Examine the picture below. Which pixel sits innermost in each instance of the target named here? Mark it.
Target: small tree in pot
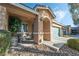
(14, 26)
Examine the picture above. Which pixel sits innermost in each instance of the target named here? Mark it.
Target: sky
(60, 10)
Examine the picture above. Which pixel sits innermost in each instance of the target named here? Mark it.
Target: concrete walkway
(56, 44)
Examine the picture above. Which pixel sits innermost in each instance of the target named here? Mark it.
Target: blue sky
(61, 11)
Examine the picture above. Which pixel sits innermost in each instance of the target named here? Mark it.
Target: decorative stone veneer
(3, 18)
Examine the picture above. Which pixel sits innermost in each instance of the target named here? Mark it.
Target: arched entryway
(46, 29)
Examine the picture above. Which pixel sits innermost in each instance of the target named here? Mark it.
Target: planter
(14, 39)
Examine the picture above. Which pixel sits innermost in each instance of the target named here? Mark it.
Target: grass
(73, 43)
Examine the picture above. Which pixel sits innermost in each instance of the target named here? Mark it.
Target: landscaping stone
(43, 50)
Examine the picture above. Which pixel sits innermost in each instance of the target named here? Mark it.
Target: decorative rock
(43, 50)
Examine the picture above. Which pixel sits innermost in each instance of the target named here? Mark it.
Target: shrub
(73, 43)
(5, 37)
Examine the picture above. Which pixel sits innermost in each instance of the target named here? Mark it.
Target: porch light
(41, 19)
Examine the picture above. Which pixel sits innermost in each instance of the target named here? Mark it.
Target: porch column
(3, 18)
(38, 30)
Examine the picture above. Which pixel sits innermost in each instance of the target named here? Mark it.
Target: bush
(5, 37)
(73, 43)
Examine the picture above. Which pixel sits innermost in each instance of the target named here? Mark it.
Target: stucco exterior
(39, 23)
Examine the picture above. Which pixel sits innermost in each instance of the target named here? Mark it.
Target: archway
(46, 29)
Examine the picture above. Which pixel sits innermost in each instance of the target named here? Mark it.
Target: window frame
(22, 27)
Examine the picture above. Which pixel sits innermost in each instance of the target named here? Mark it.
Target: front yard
(43, 50)
(38, 50)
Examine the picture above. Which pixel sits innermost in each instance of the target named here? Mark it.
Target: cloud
(60, 14)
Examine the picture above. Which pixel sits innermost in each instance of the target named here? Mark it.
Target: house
(67, 30)
(39, 22)
(74, 30)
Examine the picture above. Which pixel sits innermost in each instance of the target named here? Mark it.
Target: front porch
(29, 21)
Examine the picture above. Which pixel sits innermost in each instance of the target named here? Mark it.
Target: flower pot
(14, 39)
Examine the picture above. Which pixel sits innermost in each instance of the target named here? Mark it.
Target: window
(24, 27)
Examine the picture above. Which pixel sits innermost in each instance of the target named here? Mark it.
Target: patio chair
(24, 36)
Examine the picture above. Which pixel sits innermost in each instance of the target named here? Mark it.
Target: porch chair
(24, 36)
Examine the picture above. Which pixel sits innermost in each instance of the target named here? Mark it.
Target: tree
(74, 9)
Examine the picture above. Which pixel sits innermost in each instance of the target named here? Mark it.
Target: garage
(55, 33)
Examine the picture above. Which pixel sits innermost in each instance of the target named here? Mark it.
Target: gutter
(58, 23)
(25, 8)
(51, 12)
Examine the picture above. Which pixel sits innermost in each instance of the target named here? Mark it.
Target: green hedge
(5, 41)
(73, 43)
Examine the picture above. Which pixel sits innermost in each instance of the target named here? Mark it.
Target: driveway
(56, 43)
(75, 36)
(61, 40)
(64, 39)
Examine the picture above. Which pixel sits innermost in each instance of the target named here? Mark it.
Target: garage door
(55, 33)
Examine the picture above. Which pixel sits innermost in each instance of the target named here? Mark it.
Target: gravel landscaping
(43, 50)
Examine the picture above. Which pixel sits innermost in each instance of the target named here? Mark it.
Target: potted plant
(14, 26)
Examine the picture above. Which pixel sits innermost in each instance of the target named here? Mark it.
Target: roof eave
(47, 9)
(25, 8)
